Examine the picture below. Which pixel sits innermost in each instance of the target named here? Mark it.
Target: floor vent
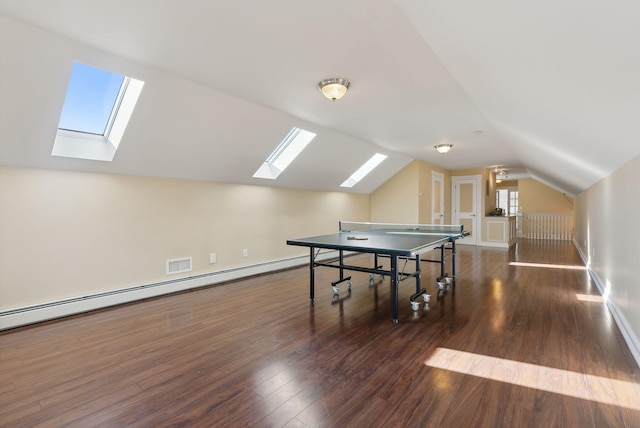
(178, 265)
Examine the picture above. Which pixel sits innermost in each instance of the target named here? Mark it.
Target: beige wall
(606, 231)
(425, 192)
(396, 201)
(67, 234)
(488, 190)
(536, 197)
(406, 197)
(506, 183)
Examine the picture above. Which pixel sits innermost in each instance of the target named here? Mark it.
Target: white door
(437, 198)
(466, 205)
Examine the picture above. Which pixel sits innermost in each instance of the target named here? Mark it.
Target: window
(91, 96)
(502, 198)
(288, 149)
(95, 114)
(507, 199)
(365, 169)
(513, 202)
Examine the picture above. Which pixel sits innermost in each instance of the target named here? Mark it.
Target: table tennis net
(427, 229)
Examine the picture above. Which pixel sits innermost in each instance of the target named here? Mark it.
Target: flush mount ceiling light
(443, 148)
(334, 88)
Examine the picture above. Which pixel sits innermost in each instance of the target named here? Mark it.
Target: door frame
(437, 176)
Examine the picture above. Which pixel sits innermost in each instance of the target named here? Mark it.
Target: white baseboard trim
(494, 244)
(627, 332)
(46, 311)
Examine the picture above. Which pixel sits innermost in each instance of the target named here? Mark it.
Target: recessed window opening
(288, 149)
(95, 114)
(365, 169)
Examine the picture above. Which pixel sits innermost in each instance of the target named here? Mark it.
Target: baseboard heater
(46, 311)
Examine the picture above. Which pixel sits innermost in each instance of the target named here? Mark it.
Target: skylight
(288, 149)
(95, 114)
(91, 96)
(365, 169)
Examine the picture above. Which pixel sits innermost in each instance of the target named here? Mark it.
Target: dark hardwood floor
(511, 346)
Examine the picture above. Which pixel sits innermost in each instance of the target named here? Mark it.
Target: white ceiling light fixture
(334, 88)
(364, 170)
(294, 143)
(443, 148)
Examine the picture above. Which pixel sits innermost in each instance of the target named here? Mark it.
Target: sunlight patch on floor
(590, 298)
(573, 384)
(547, 265)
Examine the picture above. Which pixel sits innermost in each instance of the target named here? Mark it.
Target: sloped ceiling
(545, 89)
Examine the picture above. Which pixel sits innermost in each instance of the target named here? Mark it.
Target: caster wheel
(426, 298)
(415, 306)
(336, 290)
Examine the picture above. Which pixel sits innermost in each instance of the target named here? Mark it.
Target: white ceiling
(548, 89)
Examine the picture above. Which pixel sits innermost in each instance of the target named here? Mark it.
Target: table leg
(394, 288)
(418, 274)
(312, 262)
(453, 258)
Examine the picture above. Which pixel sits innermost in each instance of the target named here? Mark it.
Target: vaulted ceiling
(546, 89)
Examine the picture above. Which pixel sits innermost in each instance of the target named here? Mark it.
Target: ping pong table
(392, 241)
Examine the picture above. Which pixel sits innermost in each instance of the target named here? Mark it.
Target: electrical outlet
(213, 258)
(245, 253)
